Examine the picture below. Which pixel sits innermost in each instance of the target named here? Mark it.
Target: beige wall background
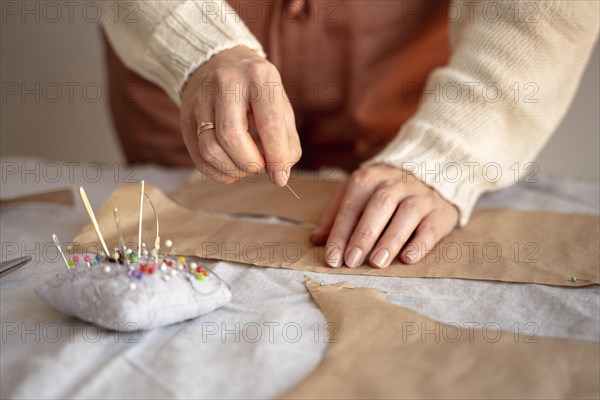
(55, 65)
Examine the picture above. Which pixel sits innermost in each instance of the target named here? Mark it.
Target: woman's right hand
(255, 130)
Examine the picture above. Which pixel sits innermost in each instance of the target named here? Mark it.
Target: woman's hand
(255, 130)
(380, 212)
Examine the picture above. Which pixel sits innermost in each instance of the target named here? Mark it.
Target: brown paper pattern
(380, 351)
(61, 197)
(258, 196)
(497, 245)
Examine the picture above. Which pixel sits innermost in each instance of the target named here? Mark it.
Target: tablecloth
(269, 337)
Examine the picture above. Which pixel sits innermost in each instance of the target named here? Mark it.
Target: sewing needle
(292, 190)
(139, 252)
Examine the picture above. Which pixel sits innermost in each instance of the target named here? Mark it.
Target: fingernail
(280, 178)
(410, 256)
(380, 258)
(333, 256)
(354, 257)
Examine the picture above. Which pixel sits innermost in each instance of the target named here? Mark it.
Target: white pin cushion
(121, 297)
(133, 289)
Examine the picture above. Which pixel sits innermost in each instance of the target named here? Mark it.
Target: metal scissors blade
(9, 266)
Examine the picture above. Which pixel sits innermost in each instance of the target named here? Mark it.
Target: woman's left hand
(379, 212)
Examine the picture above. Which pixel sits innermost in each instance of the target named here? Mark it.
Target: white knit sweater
(484, 116)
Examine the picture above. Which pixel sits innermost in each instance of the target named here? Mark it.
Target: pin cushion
(135, 296)
(132, 288)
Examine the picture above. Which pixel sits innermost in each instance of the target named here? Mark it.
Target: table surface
(268, 338)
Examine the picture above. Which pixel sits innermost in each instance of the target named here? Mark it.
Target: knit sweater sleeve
(166, 41)
(514, 70)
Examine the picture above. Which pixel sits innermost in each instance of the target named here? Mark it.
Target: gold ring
(205, 126)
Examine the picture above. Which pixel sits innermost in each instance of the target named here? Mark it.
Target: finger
(431, 230)
(407, 217)
(295, 148)
(254, 135)
(351, 207)
(270, 123)
(223, 169)
(189, 127)
(232, 133)
(319, 235)
(380, 208)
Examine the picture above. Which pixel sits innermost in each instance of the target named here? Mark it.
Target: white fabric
(107, 300)
(219, 355)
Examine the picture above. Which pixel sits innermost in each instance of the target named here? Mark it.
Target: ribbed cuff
(190, 36)
(438, 162)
